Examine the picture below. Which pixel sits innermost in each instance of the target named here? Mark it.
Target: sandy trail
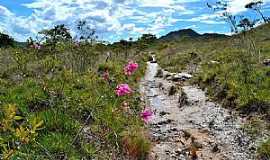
(196, 129)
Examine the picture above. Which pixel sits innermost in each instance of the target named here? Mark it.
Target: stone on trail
(214, 62)
(181, 77)
(266, 62)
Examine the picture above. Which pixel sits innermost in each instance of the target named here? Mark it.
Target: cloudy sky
(116, 19)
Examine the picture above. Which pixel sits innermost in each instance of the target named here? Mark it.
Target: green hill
(189, 34)
(235, 61)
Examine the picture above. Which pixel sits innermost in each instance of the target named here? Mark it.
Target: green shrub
(264, 150)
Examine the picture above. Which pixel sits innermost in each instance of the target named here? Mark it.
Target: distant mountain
(179, 34)
(214, 35)
(20, 44)
(189, 33)
(8, 41)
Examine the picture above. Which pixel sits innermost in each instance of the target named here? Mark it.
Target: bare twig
(85, 123)
(80, 131)
(46, 151)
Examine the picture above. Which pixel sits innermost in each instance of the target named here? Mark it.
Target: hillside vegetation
(61, 103)
(233, 69)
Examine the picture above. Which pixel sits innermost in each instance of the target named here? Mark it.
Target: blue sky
(117, 19)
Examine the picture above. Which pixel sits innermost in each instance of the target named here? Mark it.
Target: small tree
(222, 6)
(246, 24)
(246, 43)
(256, 6)
(85, 50)
(6, 40)
(30, 41)
(57, 34)
(124, 44)
(146, 40)
(86, 33)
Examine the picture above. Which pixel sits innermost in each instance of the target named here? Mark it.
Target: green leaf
(17, 118)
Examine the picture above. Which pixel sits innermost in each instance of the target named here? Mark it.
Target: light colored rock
(167, 74)
(181, 77)
(215, 62)
(266, 62)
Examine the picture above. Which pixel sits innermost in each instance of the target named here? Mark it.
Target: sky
(117, 19)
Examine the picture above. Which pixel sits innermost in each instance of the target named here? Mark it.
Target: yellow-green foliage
(13, 132)
(264, 150)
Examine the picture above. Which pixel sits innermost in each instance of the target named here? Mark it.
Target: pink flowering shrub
(77, 44)
(36, 46)
(106, 75)
(122, 90)
(146, 115)
(130, 68)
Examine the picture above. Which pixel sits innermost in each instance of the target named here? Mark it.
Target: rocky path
(186, 125)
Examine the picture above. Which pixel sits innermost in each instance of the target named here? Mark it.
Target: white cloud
(191, 26)
(205, 18)
(113, 17)
(105, 16)
(156, 3)
(238, 6)
(129, 27)
(211, 31)
(4, 11)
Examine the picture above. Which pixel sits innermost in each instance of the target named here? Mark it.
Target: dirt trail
(197, 129)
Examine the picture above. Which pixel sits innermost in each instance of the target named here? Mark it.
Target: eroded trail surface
(186, 125)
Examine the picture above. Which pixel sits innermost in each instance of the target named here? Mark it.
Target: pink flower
(130, 68)
(36, 46)
(106, 75)
(146, 115)
(77, 44)
(122, 90)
